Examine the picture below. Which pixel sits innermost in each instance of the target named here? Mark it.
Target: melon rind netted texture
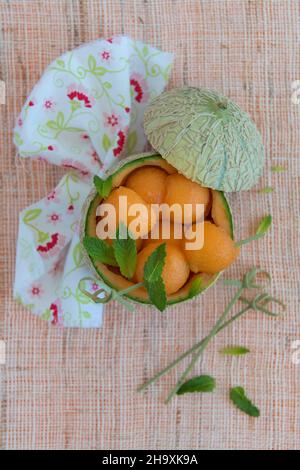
(206, 137)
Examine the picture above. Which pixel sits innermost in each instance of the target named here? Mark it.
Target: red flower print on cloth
(106, 56)
(52, 197)
(54, 218)
(139, 88)
(120, 144)
(35, 290)
(79, 96)
(31, 103)
(84, 136)
(49, 104)
(112, 120)
(52, 247)
(70, 209)
(56, 311)
(74, 165)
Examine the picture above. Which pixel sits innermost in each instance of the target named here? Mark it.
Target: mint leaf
(125, 251)
(260, 232)
(99, 250)
(153, 277)
(266, 190)
(157, 294)
(77, 255)
(31, 214)
(155, 263)
(131, 141)
(106, 142)
(264, 225)
(234, 350)
(242, 402)
(278, 169)
(196, 287)
(92, 62)
(103, 186)
(202, 383)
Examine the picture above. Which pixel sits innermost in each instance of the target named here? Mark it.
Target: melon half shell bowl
(208, 139)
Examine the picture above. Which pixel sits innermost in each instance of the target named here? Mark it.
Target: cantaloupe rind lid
(206, 137)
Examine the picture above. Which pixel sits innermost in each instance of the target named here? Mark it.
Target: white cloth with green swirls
(84, 114)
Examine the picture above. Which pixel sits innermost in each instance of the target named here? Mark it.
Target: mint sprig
(99, 250)
(202, 383)
(260, 231)
(125, 252)
(234, 350)
(103, 187)
(242, 402)
(258, 303)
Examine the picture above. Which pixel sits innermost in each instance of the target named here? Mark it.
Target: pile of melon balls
(152, 185)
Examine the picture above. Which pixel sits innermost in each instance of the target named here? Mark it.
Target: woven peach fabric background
(75, 389)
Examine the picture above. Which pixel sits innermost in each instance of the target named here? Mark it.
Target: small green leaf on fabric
(125, 251)
(242, 402)
(92, 62)
(52, 125)
(77, 255)
(31, 215)
(260, 232)
(196, 287)
(99, 250)
(73, 129)
(202, 383)
(60, 63)
(106, 142)
(278, 169)
(267, 190)
(264, 225)
(81, 297)
(234, 350)
(131, 141)
(18, 139)
(99, 71)
(86, 314)
(103, 186)
(60, 119)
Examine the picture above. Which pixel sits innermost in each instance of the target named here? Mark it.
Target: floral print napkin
(84, 114)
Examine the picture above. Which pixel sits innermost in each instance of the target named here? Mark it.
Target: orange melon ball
(149, 182)
(217, 253)
(163, 229)
(139, 223)
(175, 271)
(180, 190)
